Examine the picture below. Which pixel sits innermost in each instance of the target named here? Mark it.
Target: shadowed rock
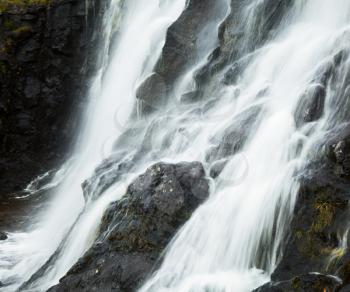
(47, 55)
(237, 39)
(152, 92)
(311, 105)
(136, 229)
(180, 51)
(3, 235)
(321, 217)
(304, 283)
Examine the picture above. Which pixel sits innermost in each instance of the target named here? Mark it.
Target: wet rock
(232, 74)
(3, 236)
(110, 170)
(192, 96)
(231, 139)
(311, 105)
(181, 49)
(344, 268)
(236, 40)
(345, 289)
(339, 152)
(136, 229)
(152, 93)
(217, 167)
(304, 283)
(320, 218)
(47, 55)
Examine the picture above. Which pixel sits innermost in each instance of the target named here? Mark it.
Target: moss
(2, 67)
(324, 218)
(338, 253)
(9, 42)
(22, 30)
(8, 24)
(311, 239)
(308, 246)
(6, 4)
(296, 285)
(299, 234)
(308, 239)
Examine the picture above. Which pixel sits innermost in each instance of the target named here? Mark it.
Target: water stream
(234, 241)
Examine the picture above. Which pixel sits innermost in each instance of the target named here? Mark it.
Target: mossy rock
(8, 4)
(310, 282)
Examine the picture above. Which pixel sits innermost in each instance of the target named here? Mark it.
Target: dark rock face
(152, 92)
(304, 283)
(109, 171)
(320, 221)
(192, 96)
(46, 60)
(137, 228)
(310, 107)
(181, 48)
(3, 236)
(235, 40)
(231, 140)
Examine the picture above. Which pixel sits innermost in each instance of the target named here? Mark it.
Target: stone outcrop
(136, 229)
(180, 51)
(236, 39)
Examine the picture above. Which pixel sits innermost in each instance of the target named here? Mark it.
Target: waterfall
(64, 231)
(234, 241)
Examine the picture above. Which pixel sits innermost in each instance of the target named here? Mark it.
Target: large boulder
(136, 229)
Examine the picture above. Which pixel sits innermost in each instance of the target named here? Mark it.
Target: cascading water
(241, 227)
(68, 227)
(234, 241)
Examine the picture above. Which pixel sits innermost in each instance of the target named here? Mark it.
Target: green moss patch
(7, 4)
(325, 214)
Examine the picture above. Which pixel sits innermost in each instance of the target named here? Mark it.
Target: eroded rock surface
(47, 54)
(304, 283)
(136, 229)
(319, 230)
(181, 50)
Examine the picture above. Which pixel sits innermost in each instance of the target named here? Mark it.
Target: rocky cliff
(47, 55)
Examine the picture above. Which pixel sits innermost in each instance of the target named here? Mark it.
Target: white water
(233, 241)
(232, 235)
(143, 34)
